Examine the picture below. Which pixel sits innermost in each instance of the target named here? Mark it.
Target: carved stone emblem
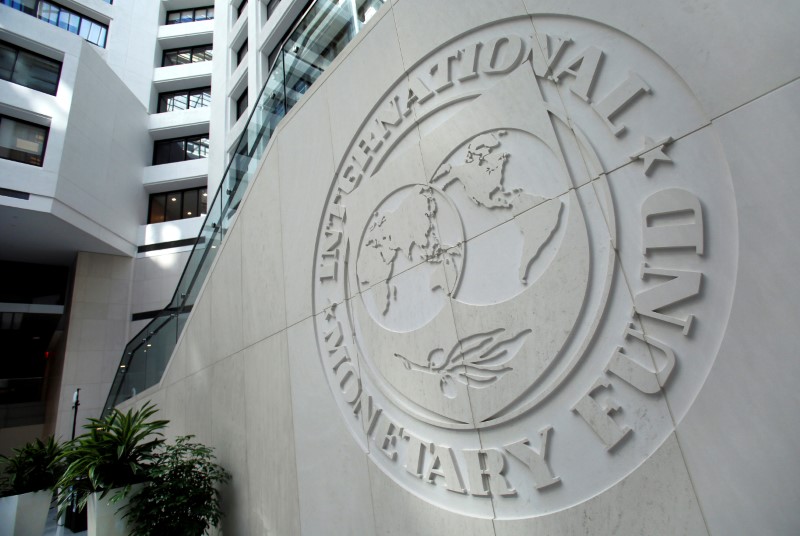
(518, 302)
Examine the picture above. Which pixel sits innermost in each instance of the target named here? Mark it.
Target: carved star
(330, 310)
(651, 153)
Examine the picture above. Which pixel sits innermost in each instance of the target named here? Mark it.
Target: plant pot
(26, 514)
(105, 518)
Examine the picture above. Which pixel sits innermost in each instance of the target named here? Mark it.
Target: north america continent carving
(516, 301)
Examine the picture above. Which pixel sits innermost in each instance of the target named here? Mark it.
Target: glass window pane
(196, 99)
(167, 151)
(101, 40)
(173, 17)
(169, 102)
(202, 97)
(190, 204)
(170, 58)
(241, 53)
(196, 148)
(7, 57)
(22, 142)
(157, 208)
(37, 72)
(48, 13)
(203, 201)
(26, 6)
(204, 54)
(187, 16)
(184, 56)
(241, 104)
(173, 211)
(163, 103)
(69, 21)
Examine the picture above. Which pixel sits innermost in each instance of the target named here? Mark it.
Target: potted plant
(26, 484)
(113, 455)
(181, 497)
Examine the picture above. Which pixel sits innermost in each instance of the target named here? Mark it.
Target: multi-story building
(107, 164)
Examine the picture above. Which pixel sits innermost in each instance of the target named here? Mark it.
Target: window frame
(192, 51)
(185, 140)
(57, 21)
(241, 52)
(181, 211)
(17, 50)
(194, 11)
(242, 98)
(188, 93)
(44, 142)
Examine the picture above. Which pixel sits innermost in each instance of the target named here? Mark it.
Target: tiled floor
(53, 529)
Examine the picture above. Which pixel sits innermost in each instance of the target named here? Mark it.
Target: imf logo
(512, 268)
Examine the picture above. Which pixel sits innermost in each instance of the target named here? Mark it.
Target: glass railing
(319, 35)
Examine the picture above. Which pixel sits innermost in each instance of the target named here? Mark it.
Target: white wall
(712, 448)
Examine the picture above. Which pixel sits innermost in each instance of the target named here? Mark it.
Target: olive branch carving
(476, 361)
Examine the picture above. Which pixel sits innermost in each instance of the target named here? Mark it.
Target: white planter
(24, 515)
(104, 518)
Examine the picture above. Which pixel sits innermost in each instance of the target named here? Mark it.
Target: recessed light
(205, 194)
(188, 213)
(174, 199)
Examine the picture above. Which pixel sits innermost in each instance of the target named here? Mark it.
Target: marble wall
(510, 268)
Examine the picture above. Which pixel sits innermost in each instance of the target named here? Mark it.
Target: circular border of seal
(568, 460)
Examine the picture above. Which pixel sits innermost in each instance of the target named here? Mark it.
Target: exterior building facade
(501, 269)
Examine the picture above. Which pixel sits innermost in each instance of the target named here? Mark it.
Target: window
(26, 6)
(190, 15)
(180, 149)
(184, 100)
(177, 205)
(54, 14)
(241, 53)
(241, 9)
(181, 56)
(22, 141)
(241, 104)
(29, 69)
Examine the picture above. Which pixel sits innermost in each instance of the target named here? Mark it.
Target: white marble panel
(305, 160)
(703, 42)
(175, 402)
(198, 333)
(272, 480)
(399, 512)
(198, 405)
(228, 432)
(263, 303)
(660, 105)
(423, 26)
(332, 470)
(657, 498)
(226, 297)
(176, 368)
(351, 103)
(741, 436)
